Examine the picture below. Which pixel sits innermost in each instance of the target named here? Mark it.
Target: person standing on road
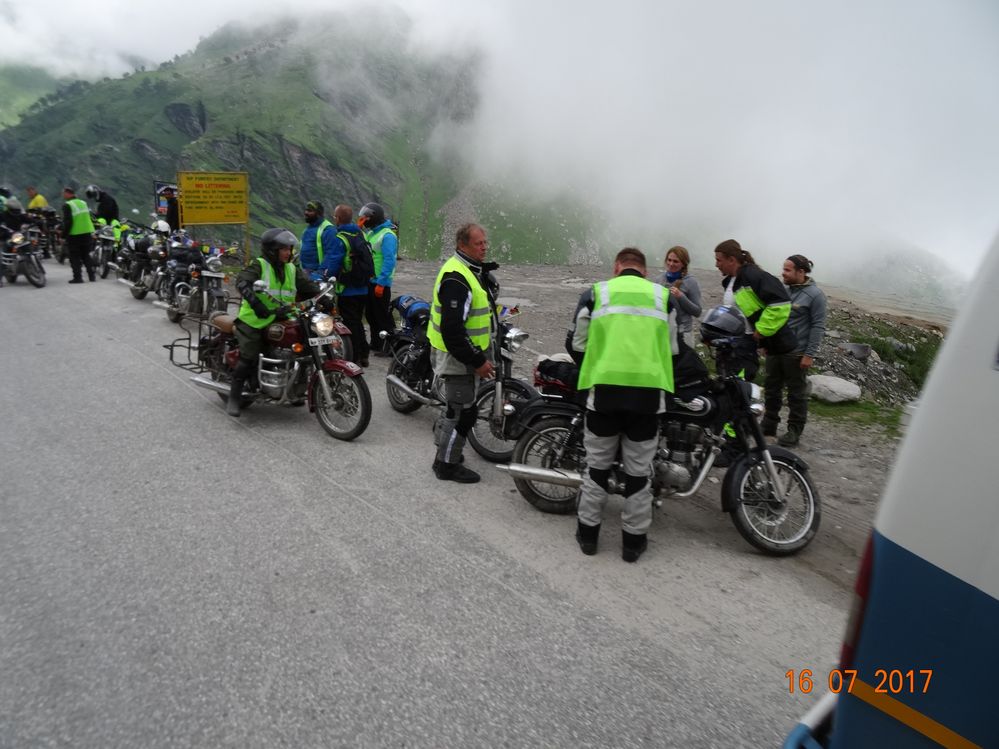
(318, 240)
(285, 283)
(808, 323)
(78, 229)
(107, 206)
(352, 292)
(379, 231)
(172, 216)
(684, 290)
(620, 337)
(36, 201)
(462, 323)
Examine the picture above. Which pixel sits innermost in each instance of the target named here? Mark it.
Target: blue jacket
(389, 250)
(309, 256)
(334, 259)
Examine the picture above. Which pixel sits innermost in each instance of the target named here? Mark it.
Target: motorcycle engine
(275, 369)
(679, 457)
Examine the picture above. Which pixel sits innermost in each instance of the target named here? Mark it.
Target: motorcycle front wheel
(774, 525)
(480, 436)
(104, 267)
(550, 443)
(349, 413)
(397, 398)
(34, 272)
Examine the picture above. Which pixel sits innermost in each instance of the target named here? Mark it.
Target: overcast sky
(829, 128)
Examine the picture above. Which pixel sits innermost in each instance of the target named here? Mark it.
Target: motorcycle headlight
(514, 339)
(214, 264)
(322, 324)
(17, 238)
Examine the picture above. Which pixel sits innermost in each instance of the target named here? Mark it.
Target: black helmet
(5, 192)
(274, 239)
(93, 191)
(722, 322)
(371, 215)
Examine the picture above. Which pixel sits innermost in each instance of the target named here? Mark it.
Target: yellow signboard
(214, 198)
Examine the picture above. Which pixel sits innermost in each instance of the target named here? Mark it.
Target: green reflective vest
(284, 292)
(479, 318)
(319, 241)
(81, 221)
(375, 240)
(628, 339)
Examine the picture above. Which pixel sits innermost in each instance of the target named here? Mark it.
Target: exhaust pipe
(128, 283)
(210, 384)
(396, 382)
(548, 475)
(161, 304)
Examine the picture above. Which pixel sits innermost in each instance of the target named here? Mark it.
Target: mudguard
(539, 408)
(343, 366)
(340, 329)
(727, 488)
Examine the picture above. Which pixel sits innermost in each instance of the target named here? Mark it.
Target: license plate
(212, 274)
(321, 341)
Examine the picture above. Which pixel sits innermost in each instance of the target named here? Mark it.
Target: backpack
(358, 265)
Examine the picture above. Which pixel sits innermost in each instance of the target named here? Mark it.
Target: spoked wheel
(349, 413)
(397, 398)
(480, 437)
(551, 443)
(779, 526)
(34, 272)
(103, 267)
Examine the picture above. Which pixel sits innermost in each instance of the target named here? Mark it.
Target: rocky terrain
(849, 452)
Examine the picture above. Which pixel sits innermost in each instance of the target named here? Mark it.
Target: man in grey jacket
(808, 323)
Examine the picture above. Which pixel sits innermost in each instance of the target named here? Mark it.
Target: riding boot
(633, 545)
(586, 537)
(232, 406)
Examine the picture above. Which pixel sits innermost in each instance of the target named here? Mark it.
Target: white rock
(833, 389)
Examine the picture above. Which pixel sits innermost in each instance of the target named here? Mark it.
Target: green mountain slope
(325, 110)
(20, 88)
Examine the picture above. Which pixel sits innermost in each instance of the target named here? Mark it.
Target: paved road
(170, 576)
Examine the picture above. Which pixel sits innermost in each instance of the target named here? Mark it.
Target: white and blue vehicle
(920, 659)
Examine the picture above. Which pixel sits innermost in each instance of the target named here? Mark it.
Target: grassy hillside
(317, 111)
(20, 87)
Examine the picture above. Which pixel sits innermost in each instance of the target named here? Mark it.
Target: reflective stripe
(640, 311)
(472, 332)
(472, 311)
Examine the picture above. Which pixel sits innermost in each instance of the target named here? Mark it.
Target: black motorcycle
(202, 294)
(766, 490)
(410, 382)
(104, 250)
(19, 255)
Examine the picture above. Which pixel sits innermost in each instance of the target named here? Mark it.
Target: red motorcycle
(304, 363)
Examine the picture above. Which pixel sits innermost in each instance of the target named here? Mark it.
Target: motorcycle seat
(223, 322)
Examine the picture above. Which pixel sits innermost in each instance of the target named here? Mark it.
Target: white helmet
(161, 227)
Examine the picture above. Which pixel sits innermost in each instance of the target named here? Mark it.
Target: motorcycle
(20, 255)
(172, 282)
(303, 364)
(202, 294)
(44, 230)
(766, 491)
(144, 266)
(410, 382)
(105, 249)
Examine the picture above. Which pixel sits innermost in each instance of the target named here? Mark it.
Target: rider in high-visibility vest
(285, 283)
(381, 235)
(352, 297)
(620, 336)
(317, 241)
(78, 229)
(462, 320)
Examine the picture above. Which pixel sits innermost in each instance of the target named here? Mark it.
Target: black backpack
(358, 266)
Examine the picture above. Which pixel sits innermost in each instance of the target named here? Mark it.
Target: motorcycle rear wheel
(538, 447)
(774, 527)
(480, 436)
(34, 272)
(349, 414)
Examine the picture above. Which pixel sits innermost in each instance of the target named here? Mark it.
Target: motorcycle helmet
(5, 192)
(274, 239)
(93, 191)
(722, 322)
(370, 216)
(161, 227)
(14, 205)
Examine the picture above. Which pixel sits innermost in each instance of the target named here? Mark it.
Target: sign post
(215, 198)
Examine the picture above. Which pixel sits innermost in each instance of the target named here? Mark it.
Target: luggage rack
(183, 350)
